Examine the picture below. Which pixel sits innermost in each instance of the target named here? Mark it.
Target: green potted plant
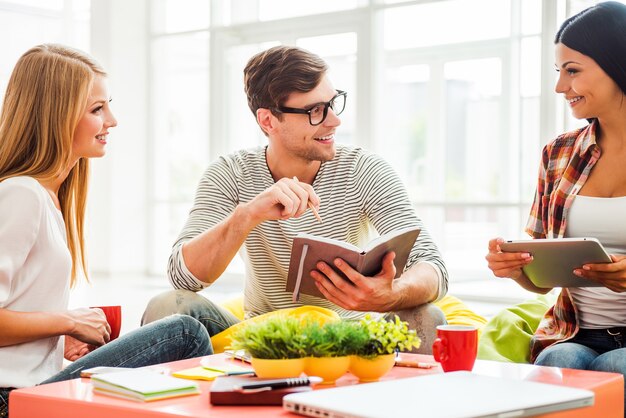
(376, 356)
(329, 347)
(277, 346)
(284, 346)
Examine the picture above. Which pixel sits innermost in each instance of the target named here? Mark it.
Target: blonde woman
(55, 117)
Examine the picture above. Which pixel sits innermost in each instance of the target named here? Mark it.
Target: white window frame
(365, 22)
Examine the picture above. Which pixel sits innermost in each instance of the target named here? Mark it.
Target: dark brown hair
(600, 33)
(272, 75)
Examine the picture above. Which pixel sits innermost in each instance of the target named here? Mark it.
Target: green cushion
(506, 337)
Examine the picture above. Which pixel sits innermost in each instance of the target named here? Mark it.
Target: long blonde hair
(45, 99)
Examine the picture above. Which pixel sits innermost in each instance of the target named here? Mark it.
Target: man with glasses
(256, 201)
(318, 112)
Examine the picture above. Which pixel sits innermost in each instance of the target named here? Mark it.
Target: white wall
(116, 224)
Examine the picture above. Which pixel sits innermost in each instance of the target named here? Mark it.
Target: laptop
(450, 395)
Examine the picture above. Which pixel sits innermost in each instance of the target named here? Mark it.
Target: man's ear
(265, 119)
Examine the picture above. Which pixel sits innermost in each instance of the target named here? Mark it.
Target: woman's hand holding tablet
(554, 261)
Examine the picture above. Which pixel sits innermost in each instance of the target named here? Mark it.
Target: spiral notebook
(449, 395)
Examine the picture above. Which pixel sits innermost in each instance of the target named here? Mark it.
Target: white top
(599, 307)
(360, 194)
(35, 267)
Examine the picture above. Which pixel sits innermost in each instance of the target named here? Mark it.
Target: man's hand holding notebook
(307, 250)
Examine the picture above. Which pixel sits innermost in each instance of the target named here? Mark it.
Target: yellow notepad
(211, 372)
(198, 373)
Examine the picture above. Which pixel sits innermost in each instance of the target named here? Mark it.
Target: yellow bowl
(328, 368)
(271, 368)
(370, 370)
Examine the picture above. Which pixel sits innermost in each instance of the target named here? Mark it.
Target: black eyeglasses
(318, 112)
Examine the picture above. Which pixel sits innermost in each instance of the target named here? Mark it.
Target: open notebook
(450, 395)
(308, 250)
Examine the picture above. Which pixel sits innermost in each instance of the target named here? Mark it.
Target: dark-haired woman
(582, 192)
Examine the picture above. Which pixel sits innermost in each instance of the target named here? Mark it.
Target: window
(26, 23)
(460, 107)
(450, 104)
(180, 131)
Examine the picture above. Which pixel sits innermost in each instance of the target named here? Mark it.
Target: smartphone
(103, 369)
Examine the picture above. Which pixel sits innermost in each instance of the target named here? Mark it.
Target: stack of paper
(142, 385)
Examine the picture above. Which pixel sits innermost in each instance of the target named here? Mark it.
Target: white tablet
(554, 260)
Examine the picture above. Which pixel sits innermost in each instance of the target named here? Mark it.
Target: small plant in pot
(329, 347)
(375, 357)
(277, 346)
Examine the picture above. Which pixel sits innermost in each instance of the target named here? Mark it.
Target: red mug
(455, 347)
(114, 318)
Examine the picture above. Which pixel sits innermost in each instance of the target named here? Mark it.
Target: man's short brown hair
(272, 75)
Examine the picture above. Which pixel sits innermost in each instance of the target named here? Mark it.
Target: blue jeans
(424, 318)
(176, 337)
(215, 318)
(590, 349)
(4, 402)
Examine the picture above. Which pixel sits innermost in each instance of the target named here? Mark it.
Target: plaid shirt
(566, 164)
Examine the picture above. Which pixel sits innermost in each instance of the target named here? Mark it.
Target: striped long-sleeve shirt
(360, 195)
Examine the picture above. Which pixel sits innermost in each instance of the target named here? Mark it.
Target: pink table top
(76, 397)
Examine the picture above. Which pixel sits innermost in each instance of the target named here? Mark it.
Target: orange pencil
(310, 205)
(317, 215)
(416, 364)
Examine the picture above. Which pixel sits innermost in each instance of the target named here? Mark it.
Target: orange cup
(455, 347)
(114, 318)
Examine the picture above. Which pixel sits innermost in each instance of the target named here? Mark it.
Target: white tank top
(598, 217)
